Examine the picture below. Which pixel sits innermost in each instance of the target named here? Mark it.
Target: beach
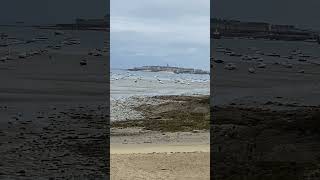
(53, 110)
(265, 120)
(161, 166)
(160, 126)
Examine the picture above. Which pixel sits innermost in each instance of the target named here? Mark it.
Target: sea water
(126, 83)
(251, 46)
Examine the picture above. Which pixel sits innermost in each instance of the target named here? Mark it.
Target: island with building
(176, 70)
(222, 28)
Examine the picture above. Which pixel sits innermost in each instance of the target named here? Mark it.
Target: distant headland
(82, 24)
(176, 70)
(223, 28)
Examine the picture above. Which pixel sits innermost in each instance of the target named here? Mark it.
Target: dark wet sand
(265, 125)
(53, 117)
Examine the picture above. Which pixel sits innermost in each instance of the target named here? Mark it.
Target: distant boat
(58, 33)
(22, 55)
(230, 66)
(3, 44)
(56, 47)
(30, 41)
(216, 34)
(83, 62)
(217, 60)
(40, 38)
(3, 35)
(311, 40)
(247, 58)
(251, 70)
(302, 60)
(273, 55)
(3, 58)
(261, 65)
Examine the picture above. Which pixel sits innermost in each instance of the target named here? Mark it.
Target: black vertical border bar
(108, 94)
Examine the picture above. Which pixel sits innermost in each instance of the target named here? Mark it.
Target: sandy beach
(160, 137)
(155, 155)
(160, 166)
(53, 114)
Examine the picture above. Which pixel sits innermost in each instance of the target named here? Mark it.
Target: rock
(196, 131)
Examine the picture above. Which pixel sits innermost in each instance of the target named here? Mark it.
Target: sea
(89, 39)
(148, 83)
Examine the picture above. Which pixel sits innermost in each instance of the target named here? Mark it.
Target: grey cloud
(51, 11)
(295, 12)
(160, 32)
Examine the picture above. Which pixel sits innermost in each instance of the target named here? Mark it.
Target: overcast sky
(50, 11)
(296, 12)
(160, 32)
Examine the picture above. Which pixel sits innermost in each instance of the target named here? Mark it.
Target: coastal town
(260, 30)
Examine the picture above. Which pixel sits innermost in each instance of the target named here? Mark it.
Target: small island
(176, 70)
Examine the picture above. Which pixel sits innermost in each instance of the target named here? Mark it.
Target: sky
(160, 32)
(303, 14)
(51, 11)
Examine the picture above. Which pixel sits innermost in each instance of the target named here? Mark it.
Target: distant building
(237, 26)
(176, 70)
(93, 22)
(233, 28)
(281, 28)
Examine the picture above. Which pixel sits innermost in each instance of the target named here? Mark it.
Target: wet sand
(53, 116)
(265, 122)
(273, 81)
